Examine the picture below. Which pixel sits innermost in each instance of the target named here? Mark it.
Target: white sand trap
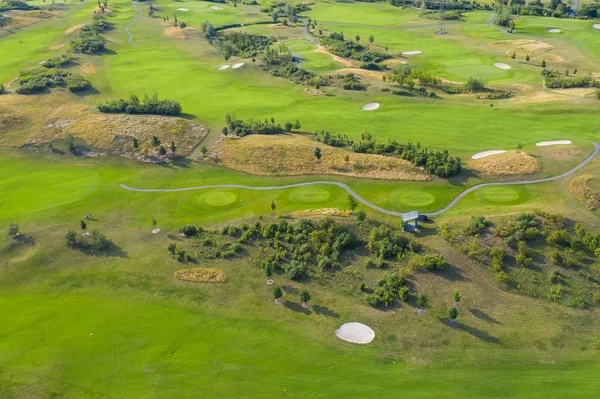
(222, 67)
(596, 26)
(216, 8)
(555, 142)
(238, 65)
(484, 154)
(502, 65)
(370, 106)
(182, 9)
(354, 332)
(155, 231)
(413, 52)
(269, 282)
(554, 30)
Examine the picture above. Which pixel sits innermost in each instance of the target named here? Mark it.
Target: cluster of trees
(350, 81)
(5, 20)
(7, 5)
(245, 45)
(390, 288)
(90, 38)
(2, 89)
(336, 44)
(284, 65)
(61, 61)
(38, 79)
(95, 240)
(148, 105)
(386, 243)
(554, 80)
(241, 128)
(431, 262)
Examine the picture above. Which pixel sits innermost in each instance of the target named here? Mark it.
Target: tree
(513, 55)
(352, 203)
(277, 292)
(527, 58)
(275, 15)
(519, 146)
(253, 60)
(154, 222)
(175, 17)
(154, 141)
(173, 147)
(182, 25)
(136, 144)
(511, 25)
(83, 225)
(304, 296)
(288, 127)
(162, 150)
(575, 71)
(346, 156)
(361, 216)
(422, 301)
(71, 238)
(317, 153)
(357, 38)
(543, 63)
(273, 206)
(371, 39)
(456, 296)
(71, 144)
(297, 125)
(268, 270)
(452, 314)
(567, 72)
(13, 230)
(204, 150)
(172, 247)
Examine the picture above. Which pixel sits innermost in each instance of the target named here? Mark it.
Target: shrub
(149, 105)
(555, 277)
(429, 262)
(98, 241)
(189, 230)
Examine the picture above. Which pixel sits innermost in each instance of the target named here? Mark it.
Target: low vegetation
(148, 105)
(38, 79)
(555, 80)
(201, 275)
(90, 38)
(580, 188)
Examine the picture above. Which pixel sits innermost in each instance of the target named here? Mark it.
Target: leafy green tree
(99, 241)
(162, 150)
(268, 269)
(453, 313)
(456, 296)
(352, 203)
(277, 292)
(71, 238)
(154, 222)
(273, 206)
(275, 15)
(204, 150)
(154, 141)
(71, 144)
(422, 301)
(543, 63)
(371, 39)
(136, 144)
(288, 127)
(172, 247)
(361, 216)
(83, 225)
(173, 147)
(346, 158)
(513, 55)
(13, 230)
(357, 38)
(304, 295)
(527, 58)
(297, 125)
(317, 153)
(519, 146)
(182, 25)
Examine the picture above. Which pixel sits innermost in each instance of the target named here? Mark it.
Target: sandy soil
(175, 33)
(413, 52)
(216, 8)
(182, 9)
(596, 26)
(554, 30)
(555, 142)
(484, 154)
(155, 231)
(73, 29)
(343, 61)
(237, 65)
(356, 333)
(502, 65)
(370, 106)
(373, 75)
(222, 67)
(57, 46)
(89, 69)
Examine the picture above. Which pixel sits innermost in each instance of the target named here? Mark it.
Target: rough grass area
(293, 155)
(39, 120)
(505, 164)
(580, 189)
(201, 275)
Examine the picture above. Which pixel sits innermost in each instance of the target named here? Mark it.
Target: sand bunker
(356, 333)
(155, 231)
(555, 142)
(554, 30)
(484, 154)
(216, 8)
(237, 65)
(322, 50)
(88, 68)
(413, 52)
(175, 33)
(57, 47)
(370, 106)
(502, 65)
(222, 67)
(596, 26)
(73, 29)
(182, 9)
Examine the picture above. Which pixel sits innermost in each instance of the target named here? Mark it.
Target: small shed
(410, 220)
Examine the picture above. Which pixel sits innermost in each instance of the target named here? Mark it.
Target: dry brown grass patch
(343, 61)
(73, 29)
(578, 92)
(201, 275)
(392, 62)
(322, 212)
(579, 188)
(46, 118)
(90, 69)
(373, 75)
(58, 46)
(312, 91)
(559, 152)
(291, 154)
(506, 44)
(175, 33)
(507, 163)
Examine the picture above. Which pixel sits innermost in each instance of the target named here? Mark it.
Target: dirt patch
(392, 62)
(201, 275)
(506, 44)
(73, 29)
(175, 33)
(343, 61)
(57, 46)
(580, 189)
(291, 155)
(522, 47)
(373, 75)
(533, 95)
(322, 212)
(508, 163)
(578, 92)
(90, 69)
(312, 91)
(48, 118)
(560, 153)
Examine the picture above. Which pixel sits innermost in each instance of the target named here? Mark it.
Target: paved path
(361, 199)
(132, 22)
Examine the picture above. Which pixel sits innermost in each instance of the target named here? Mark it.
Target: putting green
(309, 195)
(411, 197)
(502, 195)
(219, 198)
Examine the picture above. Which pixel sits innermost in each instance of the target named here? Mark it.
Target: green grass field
(82, 324)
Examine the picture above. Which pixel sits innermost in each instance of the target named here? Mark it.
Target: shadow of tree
(290, 290)
(296, 307)
(325, 311)
(483, 316)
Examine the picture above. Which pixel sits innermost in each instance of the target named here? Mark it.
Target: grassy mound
(505, 164)
(201, 275)
(580, 188)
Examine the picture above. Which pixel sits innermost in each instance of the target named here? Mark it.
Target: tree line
(38, 79)
(148, 105)
(244, 128)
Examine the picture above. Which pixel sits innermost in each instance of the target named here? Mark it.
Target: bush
(189, 230)
(77, 83)
(98, 241)
(429, 262)
(149, 105)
